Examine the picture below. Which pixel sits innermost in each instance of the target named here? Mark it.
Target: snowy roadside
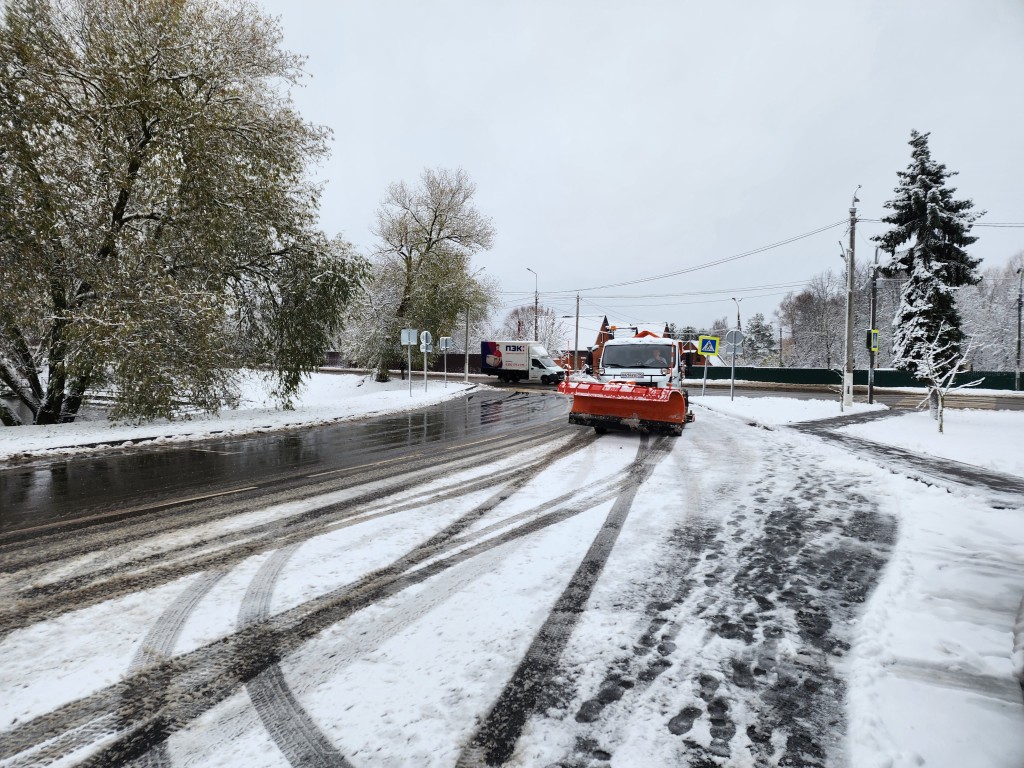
(939, 647)
(989, 439)
(325, 399)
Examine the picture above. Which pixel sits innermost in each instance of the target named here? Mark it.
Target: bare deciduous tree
(428, 234)
(551, 331)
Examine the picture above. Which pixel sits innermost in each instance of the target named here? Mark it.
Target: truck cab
(645, 360)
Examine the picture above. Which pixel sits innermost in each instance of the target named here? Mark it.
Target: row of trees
(157, 230)
(158, 226)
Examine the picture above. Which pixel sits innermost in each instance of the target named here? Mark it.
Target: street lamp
(536, 302)
(1020, 301)
(736, 343)
(465, 362)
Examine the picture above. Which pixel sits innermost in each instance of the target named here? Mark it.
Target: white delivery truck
(519, 361)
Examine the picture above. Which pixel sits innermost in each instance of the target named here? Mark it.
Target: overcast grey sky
(617, 141)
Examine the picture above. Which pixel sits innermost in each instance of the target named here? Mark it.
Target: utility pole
(871, 349)
(739, 332)
(576, 343)
(536, 304)
(848, 372)
(782, 364)
(1020, 301)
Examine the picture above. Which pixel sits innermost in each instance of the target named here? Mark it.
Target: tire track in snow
(158, 645)
(288, 724)
(918, 467)
(20, 550)
(157, 701)
(770, 572)
(154, 569)
(715, 466)
(783, 605)
(496, 737)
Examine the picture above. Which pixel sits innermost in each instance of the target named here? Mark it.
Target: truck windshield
(547, 362)
(637, 356)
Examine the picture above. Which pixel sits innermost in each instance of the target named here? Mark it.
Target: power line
(715, 263)
(562, 296)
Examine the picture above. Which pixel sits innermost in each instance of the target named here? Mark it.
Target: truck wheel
(544, 379)
(601, 430)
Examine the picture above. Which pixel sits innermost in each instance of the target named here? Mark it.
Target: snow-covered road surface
(736, 596)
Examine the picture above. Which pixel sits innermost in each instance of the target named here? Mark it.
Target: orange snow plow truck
(637, 385)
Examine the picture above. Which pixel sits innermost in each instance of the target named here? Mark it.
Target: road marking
(364, 466)
(476, 442)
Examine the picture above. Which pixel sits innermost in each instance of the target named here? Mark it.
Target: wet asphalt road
(63, 491)
(144, 477)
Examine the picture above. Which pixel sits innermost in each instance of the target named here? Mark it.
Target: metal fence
(885, 377)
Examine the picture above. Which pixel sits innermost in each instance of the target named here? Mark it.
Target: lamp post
(848, 368)
(1020, 301)
(536, 303)
(465, 362)
(739, 329)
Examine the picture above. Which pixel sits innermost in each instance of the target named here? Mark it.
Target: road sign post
(408, 340)
(445, 343)
(708, 347)
(425, 347)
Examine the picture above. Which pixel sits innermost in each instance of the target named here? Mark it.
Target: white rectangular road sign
(409, 337)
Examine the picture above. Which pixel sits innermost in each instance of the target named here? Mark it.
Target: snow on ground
(779, 410)
(325, 398)
(933, 674)
(990, 439)
(930, 674)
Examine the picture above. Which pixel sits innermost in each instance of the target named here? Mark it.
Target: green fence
(823, 376)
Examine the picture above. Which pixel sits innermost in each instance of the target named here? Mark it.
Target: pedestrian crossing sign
(709, 345)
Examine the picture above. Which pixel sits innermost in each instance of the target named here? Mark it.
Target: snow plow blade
(626, 406)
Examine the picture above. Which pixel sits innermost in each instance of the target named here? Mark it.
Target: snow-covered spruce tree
(157, 229)
(937, 227)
